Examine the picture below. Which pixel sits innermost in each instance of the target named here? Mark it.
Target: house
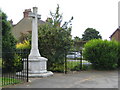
(24, 26)
(116, 35)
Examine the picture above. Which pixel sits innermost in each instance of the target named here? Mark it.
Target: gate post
(81, 58)
(27, 70)
(65, 62)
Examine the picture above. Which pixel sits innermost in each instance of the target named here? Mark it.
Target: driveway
(82, 79)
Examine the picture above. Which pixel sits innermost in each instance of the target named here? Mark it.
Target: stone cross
(34, 48)
(37, 65)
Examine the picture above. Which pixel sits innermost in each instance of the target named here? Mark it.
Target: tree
(0, 33)
(77, 39)
(91, 33)
(76, 44)
(54, 39)
(8, 43)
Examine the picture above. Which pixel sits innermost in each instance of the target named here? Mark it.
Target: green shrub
(102, 54)
(23, 49)
(18, 64)
(24, 45)
(73, 66)
(56, 67)
(86, 67)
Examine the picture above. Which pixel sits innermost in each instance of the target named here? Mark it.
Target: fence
(74, 61)
(12, 67)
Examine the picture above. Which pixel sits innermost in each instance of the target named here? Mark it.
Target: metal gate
(12, 67)
(74, 61)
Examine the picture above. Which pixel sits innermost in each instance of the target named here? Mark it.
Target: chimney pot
(11, 22)
(26, 12)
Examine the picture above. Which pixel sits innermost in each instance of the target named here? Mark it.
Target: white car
(74, 55)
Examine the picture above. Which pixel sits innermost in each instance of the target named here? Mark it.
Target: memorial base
(36, 68)
(34, 75)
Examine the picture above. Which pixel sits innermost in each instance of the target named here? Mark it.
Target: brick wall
(116, 35)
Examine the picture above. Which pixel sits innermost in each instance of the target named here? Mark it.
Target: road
(83, 79)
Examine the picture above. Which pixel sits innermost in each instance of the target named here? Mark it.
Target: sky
(101, 15)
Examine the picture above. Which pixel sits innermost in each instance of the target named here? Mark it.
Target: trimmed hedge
(102, 54)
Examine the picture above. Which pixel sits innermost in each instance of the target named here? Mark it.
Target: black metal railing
(74, 61)
(14, 67)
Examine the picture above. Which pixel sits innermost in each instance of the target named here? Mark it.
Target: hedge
(103, 54)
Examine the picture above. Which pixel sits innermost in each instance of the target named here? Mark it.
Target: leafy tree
(8, 43)
(54, 39)
(77, 39)
(0, 34)
(91, 33)
(76, 44)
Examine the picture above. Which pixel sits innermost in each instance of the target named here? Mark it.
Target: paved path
(83, 79)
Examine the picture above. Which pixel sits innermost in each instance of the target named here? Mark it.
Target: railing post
(27, 68)
(81, 59)
(65, 62)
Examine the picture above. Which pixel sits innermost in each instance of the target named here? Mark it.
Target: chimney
(26, 12)
(11, 22)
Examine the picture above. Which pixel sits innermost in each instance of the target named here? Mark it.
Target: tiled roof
(24, 26)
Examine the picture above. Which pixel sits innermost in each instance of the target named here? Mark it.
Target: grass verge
(4, 81)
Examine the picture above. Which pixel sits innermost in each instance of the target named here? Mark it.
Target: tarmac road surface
(82, 79)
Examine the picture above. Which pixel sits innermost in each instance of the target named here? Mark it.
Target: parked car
(74, 55)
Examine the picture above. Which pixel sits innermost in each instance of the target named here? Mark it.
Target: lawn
(75, 65)
(8, 81)
(72, 65)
